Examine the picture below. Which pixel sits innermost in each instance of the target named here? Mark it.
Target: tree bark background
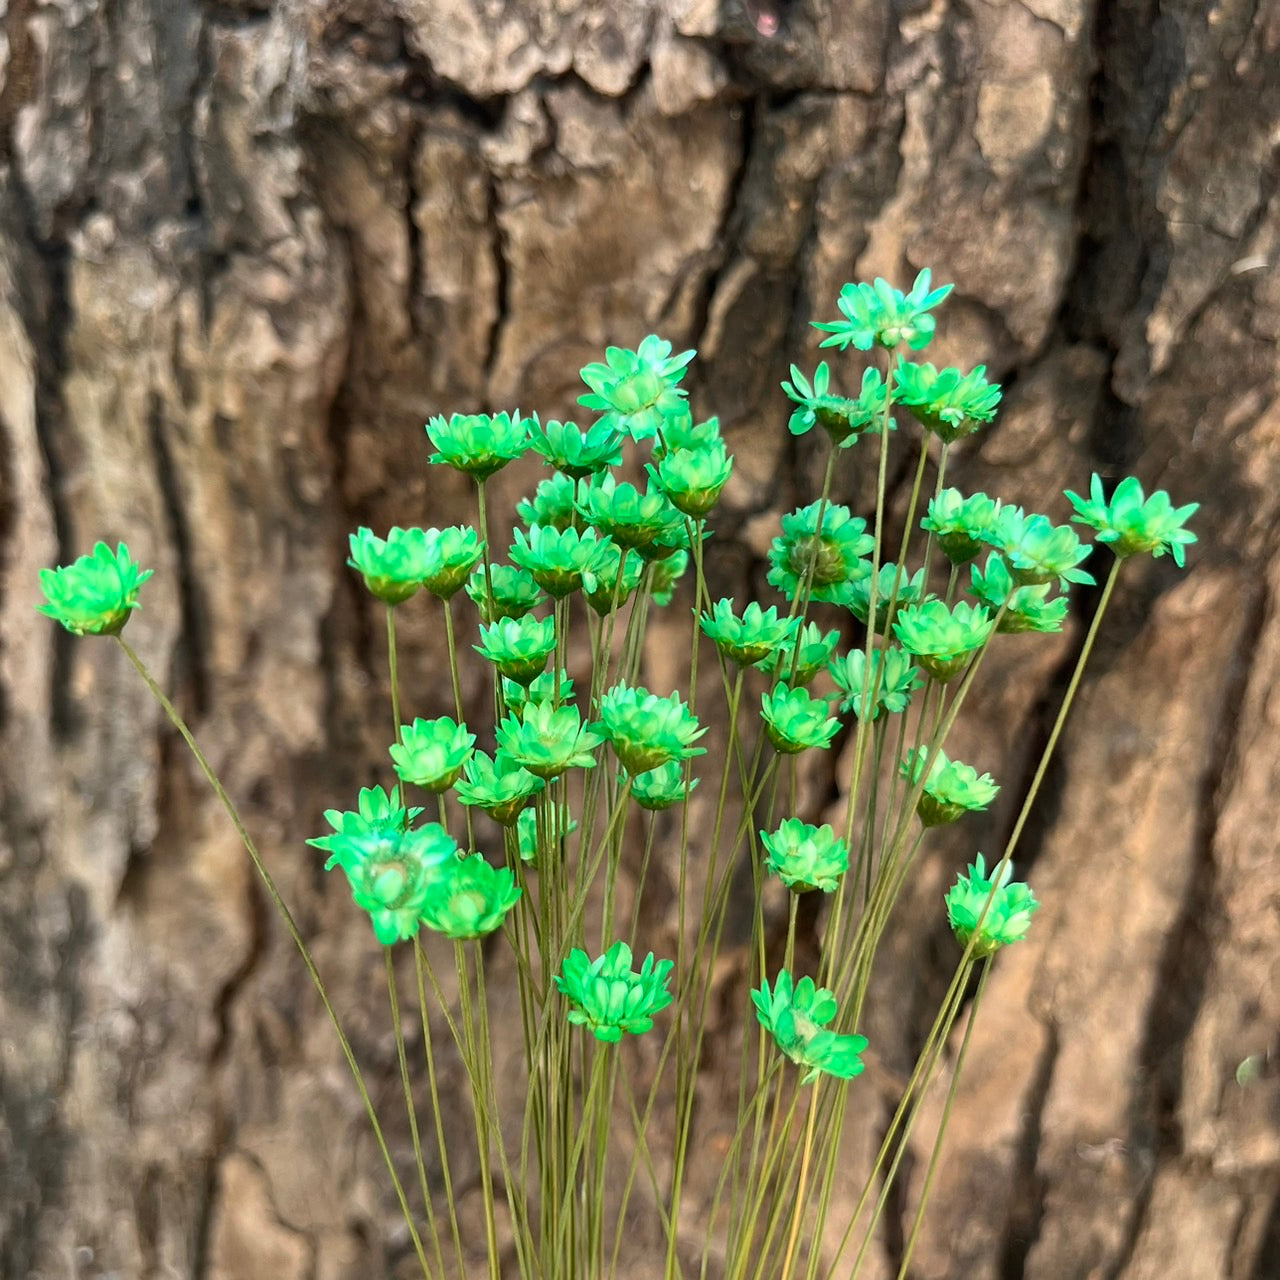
(246, 249)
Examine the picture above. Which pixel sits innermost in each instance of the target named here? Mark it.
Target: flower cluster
(797, 1014)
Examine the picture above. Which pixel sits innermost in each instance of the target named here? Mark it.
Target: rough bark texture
(246, 250)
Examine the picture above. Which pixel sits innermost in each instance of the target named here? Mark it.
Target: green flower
(552, 503)
(547, 740)
(816, 650)
(557, 558)
(645, 522)
(842, 418)
(608, 996)
(499, 786)
(751, 638)
(947, 402)
(514, 592)
(431, 753)
(892, 668)
(962, 524)
(615, 576)
(391, 874)
(576, 452)
(377, 814)
(470, 899)
(806, 857)
(951, 789)
(1131, 524)
(943, 639)
(527, 837)
(879, 313)
(646, 731)
(518, 647)
(663, 576)
(451, 555)
(95, 595)
(660, 788)
(836, 552)
(543, 688)
(794, 721)
(679, 431)
(692, 479)
(1007, 919)
(1025, 608)
(796, 1014)
(636, 390)
(478, 444)
(393, 569)
(1038, 551)
(908, 592)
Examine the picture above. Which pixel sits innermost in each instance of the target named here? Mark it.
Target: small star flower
(893, 586)
(645, 522)
(751, 638)
(645, 730)
(806, 857)
(636, 390)
(608, 997)
(451, 555)
(377, 813)
(892, 686)
(946, 402)
(679, 431)
(515, 593)
(660, 788)
(835, 552)
(552, 503)
(880, 314)
(499, 786)
(844, 419)
(951, 789)
(548, 740)
(557, 559)
(795, 722)
(518, 647)
(469, 899)
(393, 568)
(615, 576)
(692, 479)
(478, 444)
(431, 753)
(543, 688)
(816, 650)
(961, 524)
(796, 1015)
(1038, 551)
(1008, 918)
(664, 574)
(1025, 608)
(943, 639)
(576, 452)
(1131, 524)
(95, 595)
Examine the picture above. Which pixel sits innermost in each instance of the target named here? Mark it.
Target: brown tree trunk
(247, 249)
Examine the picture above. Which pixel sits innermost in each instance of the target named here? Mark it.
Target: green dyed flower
(1025, 608)
(94, 595)
(431, 753)
(470, 898)
(947, 402)
(806, 857)
(662, 787)
(842, 418)
(518, 647)
(893, 587)
(1038, 551)
(816, 649)
(557, 558)
(552, 503)
(835, 551)
(962, 524)
(576, 452)
(943, 639)
(664, 574)
(1007, 919)
(547, 740)
(893, 680)
(794, 721)
(797, 1014)
(751, 638)
(391, 874)
(377, 813)
(879, 313)
(645, 522)
(393, 568)
(616, 575)
(452, 553)
(646, 731)
(514, 592)
(692, 479)
(543, 688)
(951, 789)
(478, 444)
(608, 997)
(499, 786)
(636, 390)
(527, 838)
(679, 431)
(1131, 524)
